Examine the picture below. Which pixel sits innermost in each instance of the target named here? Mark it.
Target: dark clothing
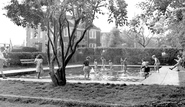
(86, 63)
(146, 69)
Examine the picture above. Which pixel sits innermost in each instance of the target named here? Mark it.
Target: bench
(27, 61)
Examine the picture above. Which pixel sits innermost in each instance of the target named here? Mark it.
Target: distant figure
(125, 65)
(86, 68)
(110, 65)
(39, 65)
(178, 64)
(121, 60)
(103, 63)
(2, 60)
(95, 65)
(156, 63)
(145, 68)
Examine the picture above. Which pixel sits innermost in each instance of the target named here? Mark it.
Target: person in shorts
(86, 68)
(156, 63)
(146, 69)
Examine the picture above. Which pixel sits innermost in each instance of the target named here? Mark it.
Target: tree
(115, 39)
(138, 27)
(52, 16)
(172, 13)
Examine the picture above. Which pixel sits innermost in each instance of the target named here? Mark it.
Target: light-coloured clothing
(2, 59)
(39, 65)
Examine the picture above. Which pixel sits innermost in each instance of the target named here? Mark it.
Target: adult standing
(2, 60)
(156, 63)
(86, 68)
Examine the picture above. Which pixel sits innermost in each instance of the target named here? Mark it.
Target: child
(103, 63)
(121, 60)
(146, 69)
(39, 65)
(125, 65)
(95, 65)
(156, 63)
(86, 68)
(2, 59)
(110, 64)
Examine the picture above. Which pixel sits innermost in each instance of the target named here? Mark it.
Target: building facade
(38, 38)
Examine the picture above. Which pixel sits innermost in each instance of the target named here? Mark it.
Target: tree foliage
(53, 16)
(172, 14)
(139, 25)
(115, 38)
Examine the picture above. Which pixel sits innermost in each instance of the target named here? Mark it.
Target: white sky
(18, 34)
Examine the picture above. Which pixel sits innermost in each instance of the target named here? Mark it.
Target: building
(38, 38)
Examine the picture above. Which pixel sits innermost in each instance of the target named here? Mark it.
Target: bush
(16, 56)
(25, 49)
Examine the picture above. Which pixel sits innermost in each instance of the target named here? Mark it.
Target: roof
(80, 26)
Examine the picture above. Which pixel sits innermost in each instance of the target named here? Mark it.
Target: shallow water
(132, 75)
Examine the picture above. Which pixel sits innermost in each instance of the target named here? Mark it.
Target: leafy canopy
(31, 12)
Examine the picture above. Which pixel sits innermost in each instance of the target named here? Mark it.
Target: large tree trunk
(58, 78)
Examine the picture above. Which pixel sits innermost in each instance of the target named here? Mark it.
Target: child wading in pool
(86, 68)
(39, 65)
(95, 65)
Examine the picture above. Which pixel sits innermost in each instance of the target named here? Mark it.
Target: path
(164, 77)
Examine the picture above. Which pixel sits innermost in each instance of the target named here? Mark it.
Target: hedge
(16, 56)
(133, 55)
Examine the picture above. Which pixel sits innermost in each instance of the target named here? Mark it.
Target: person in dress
(156, 63)
(2, 60)
(39, 65)
(86, 68)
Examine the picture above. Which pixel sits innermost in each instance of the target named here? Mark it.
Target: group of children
(144, 67)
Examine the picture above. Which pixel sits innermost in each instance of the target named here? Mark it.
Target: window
(92, 34)
(92, 45)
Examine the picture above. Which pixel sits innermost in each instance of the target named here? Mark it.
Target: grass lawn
(124, 95)
(127, 95)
